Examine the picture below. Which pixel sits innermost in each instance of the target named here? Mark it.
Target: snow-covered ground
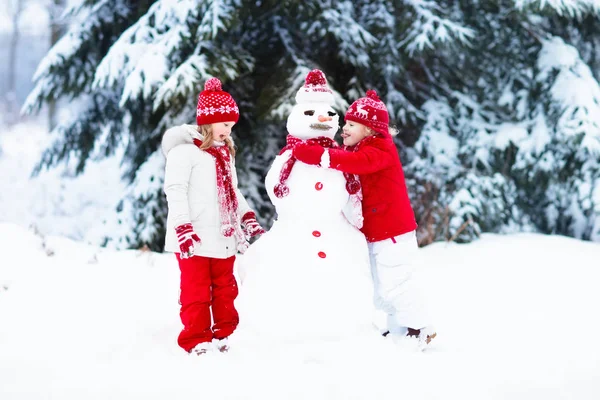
(515, 316)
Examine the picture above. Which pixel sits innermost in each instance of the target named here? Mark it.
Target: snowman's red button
(316, 234)
(322, 254)
(318, 186)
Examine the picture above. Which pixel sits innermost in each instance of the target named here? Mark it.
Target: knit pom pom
(213, 84)
(281, 190)
(227, 230)
(352, 187)
(372, 95)
(316, 77)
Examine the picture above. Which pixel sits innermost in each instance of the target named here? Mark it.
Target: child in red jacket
(389, 221)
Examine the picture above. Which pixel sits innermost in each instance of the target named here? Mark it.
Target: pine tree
(136, 69)
(490, 136)
(492, 119)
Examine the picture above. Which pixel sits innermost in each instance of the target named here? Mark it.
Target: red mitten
(308, 154)
(251, 226)
(186, 237)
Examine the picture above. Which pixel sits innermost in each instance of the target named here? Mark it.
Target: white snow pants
(395, 291)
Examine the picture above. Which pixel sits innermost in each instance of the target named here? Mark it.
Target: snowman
(308, 277)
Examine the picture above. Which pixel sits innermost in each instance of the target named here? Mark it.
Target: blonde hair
(208, 139)
(393, 131)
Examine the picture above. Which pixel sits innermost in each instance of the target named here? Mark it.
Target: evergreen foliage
(497, 103)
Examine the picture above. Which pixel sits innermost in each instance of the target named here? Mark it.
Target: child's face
(222, 130)
(353, 132)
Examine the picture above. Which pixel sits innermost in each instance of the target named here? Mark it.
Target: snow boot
(222, 345)
(201, 348)
(424, 335)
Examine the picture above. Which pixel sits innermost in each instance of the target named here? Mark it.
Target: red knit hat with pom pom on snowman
(371, 112)
(315, 89)
(215, 105)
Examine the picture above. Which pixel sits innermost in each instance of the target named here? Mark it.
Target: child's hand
(187, 239)
(308, 154)
(251, 226)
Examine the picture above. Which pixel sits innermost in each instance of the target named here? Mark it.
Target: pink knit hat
(215, 105)
(371, 112)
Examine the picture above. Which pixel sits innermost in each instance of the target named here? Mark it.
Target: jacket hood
(182, 134)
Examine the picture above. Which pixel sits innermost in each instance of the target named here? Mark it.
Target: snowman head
(313, 115)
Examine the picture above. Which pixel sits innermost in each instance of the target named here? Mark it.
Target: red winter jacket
(386, 207)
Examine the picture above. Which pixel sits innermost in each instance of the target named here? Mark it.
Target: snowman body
(309, 276)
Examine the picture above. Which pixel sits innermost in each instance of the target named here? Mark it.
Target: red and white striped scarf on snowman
(282, 190)
(354, 214)
(228, 202)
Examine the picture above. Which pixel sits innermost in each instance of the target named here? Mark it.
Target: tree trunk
(11, 87)
(56, 8)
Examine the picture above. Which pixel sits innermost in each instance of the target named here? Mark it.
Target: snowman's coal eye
(309, 112)
(331, 113)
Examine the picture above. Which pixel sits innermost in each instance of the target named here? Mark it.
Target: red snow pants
(206, 283)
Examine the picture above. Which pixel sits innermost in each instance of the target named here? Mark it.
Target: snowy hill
(515, 316)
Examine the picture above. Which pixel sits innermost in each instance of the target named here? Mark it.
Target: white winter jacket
(191, 189)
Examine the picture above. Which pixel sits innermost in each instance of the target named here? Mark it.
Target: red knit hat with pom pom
(371, 112)
(215, 105)
(315, 89)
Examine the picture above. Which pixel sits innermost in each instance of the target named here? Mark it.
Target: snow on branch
(130, 225)
(574, 90)
(183, 80)
(286, 40)
(74, 7)
(70, 43)
(284, 103)
(430, 27)
(437, 140)
(139, 60)
(571, 8)
(65, 54)
(353, 40)
(398, 105)
(217, 17)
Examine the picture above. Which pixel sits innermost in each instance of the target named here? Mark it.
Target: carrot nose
(323, 118)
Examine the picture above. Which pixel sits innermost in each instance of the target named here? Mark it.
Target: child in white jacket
(209, 220)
